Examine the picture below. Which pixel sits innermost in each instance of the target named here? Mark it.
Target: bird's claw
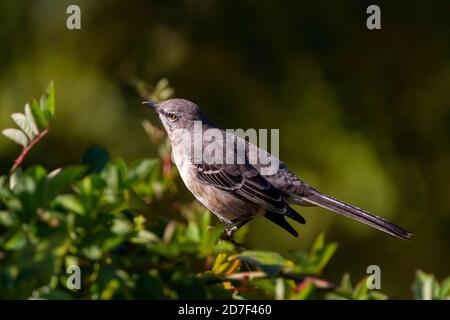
(228, 236)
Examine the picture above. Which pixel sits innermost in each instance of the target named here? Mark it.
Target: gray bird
(236, 192)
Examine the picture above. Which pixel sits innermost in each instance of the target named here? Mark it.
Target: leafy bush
(120, 225)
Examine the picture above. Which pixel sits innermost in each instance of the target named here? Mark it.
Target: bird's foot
(228, 236)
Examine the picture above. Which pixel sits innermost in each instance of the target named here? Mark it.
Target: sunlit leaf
(445, 289)
(6, 219)
(361, 290)
(92, 252)
(38, 115)
(70, 202)
(15, 178)
(162, 91)
(30, 120)
(319, 242)
(422, 286)
(375, 295)
(145, 236)
(51, 294)
(22, 122)
(192, 232)
(121, 227)
(17, 136)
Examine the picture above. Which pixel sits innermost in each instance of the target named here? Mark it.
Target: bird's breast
(226, 205)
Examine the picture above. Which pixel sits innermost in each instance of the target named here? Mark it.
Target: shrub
(111, 220)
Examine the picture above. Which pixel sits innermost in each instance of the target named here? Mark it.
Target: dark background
(363, 115)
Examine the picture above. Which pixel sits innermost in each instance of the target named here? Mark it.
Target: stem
(23, 154)
(304, 280)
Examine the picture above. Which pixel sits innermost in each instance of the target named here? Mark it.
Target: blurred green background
(363, 115)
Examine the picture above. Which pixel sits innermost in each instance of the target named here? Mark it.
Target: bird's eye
(172, 116)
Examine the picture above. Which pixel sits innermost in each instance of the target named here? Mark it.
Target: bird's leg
(229, 231)
(231, 228)
(228, 236)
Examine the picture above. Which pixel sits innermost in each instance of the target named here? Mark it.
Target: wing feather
(244, 181)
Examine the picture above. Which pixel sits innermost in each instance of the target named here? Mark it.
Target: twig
(303, 280)
(23, 154)
(246, 275)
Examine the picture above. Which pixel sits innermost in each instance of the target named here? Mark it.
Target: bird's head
(177, 114)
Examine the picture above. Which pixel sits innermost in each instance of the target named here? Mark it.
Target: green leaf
(162, 91)
(346, 284)
(318, 257)
(121, 227)
(271, 263)
(38, 115)
(16, 242)
(14, 179)
(141, 169)
(424, 286)
(70, 202)
(30, 120)
(325, 256)
(374, 295)
(48, 102)
(319, 242)
(336, 296)
(22, 122)
(134, 201)
(361, 290)
(445, 289)
(51, 294)
(193, 232)
(63, 179)
(145, 236)
(16, 135)
(93, 252)
(6, 219)
(37, 173)
(122, 173)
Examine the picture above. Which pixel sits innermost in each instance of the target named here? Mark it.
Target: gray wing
(292, 187)
(244, 181)
(285, 181)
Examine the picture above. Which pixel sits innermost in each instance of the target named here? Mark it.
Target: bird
(237, 191)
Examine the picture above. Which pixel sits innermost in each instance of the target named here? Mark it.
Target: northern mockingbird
(237, 190)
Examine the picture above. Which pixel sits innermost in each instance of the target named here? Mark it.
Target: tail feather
(280, 220)
(358, 214)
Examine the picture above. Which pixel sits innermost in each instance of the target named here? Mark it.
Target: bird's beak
(151, 104)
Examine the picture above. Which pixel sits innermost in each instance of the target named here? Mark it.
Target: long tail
(345, 209)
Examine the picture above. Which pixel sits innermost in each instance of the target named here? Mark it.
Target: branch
(303, 280)
(23, 154)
